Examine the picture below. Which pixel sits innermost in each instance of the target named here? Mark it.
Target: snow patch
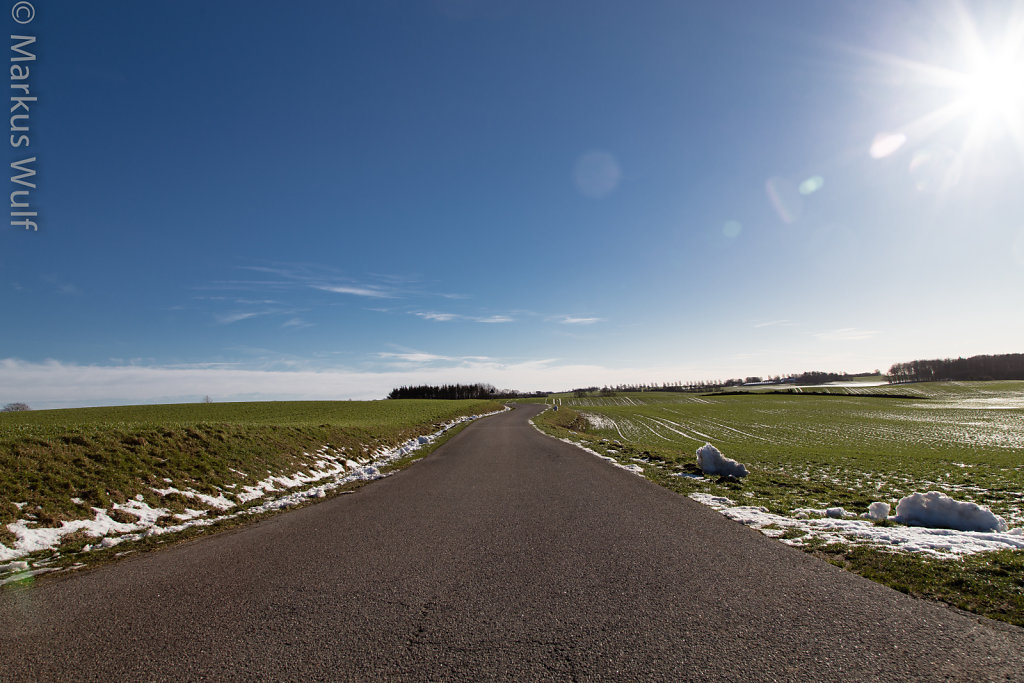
(598, 421)
(147, 515)
(936, 542)
(716, 502)
(216, 502)
(31, 539)
(635, 469)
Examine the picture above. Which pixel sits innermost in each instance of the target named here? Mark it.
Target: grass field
(112, 469)
(844, 447)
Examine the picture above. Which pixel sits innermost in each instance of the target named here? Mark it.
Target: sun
(966, 77)
(993, 91)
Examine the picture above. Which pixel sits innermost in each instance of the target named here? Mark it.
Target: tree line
(810, 377)
(975, 368)
(459, 392)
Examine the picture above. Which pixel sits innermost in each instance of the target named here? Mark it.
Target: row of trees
(1004, 366)
(458, 392)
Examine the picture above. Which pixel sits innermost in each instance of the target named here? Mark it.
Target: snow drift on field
(938, 511)
(599, 421)
(711, 461)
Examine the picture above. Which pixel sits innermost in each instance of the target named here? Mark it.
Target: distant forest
(458, 391)
(1005, 366)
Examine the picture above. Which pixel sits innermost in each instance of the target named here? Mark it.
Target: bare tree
(14, 408)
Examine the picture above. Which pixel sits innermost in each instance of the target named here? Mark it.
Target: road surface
(503, 555)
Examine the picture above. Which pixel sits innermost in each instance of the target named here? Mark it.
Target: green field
(843, 447)
(61, 466)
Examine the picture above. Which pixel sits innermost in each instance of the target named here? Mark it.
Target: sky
(254, 200)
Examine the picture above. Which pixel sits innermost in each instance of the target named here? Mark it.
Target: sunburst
(982, 76)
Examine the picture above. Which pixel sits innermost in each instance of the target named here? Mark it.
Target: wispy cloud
(439, 317)
(412, 357)
(448, 317)
(299, 276)
(774, 323)
(846, 334)
(356, 291)
(421, 357)
(229, 318)
(240, 299)
(576, 320)
(199, 366)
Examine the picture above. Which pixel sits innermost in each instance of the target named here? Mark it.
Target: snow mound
(878, 511)
(711, 461)
(938, 511)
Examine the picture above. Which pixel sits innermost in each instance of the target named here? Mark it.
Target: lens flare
(811, 185)
(732, 229)
(785, 199)
(885, 144)
(596, 174)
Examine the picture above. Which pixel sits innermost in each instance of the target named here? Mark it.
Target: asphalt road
(503, 555)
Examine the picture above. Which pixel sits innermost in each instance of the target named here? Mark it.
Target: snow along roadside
(635, 469)
(856, 531)
(332, 471)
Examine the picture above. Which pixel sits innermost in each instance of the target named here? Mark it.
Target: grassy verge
(989, 584)
(57, 467)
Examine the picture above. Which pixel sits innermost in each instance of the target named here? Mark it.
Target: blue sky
(328, 199)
